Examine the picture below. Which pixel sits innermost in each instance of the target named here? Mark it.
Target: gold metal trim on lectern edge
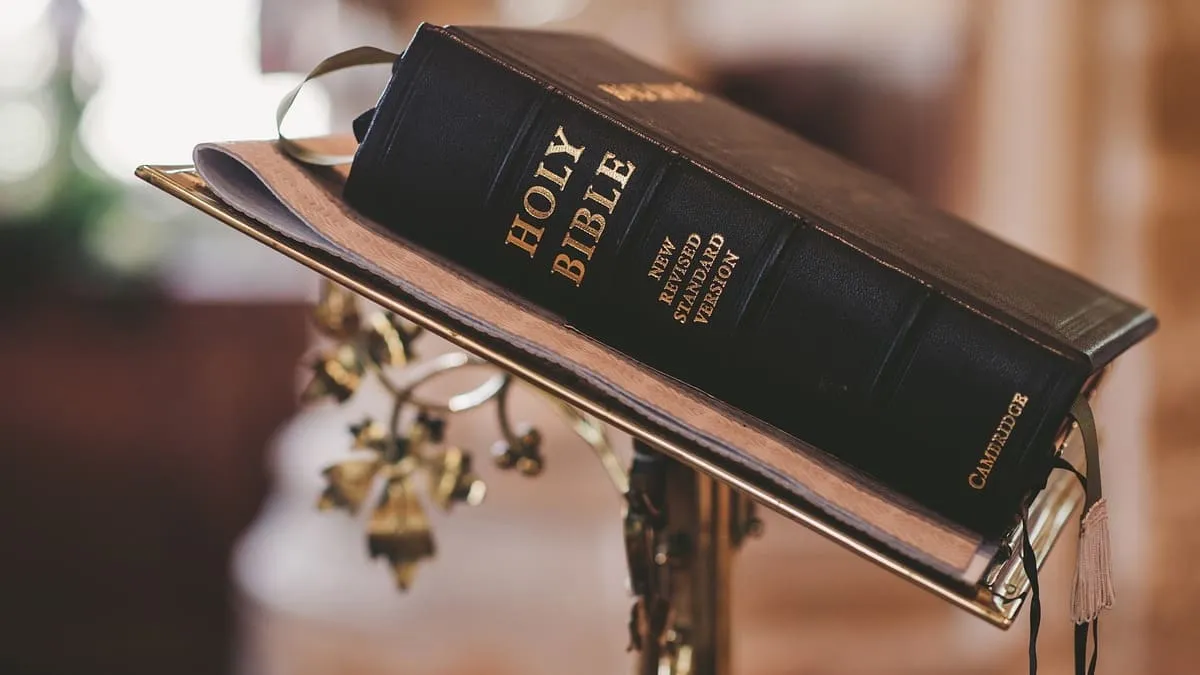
(997, 601)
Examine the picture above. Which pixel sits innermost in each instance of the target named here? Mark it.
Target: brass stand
(681, 526)
(681, 530)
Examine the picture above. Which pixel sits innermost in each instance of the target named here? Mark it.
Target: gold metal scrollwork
(388, 460)
(680, 528)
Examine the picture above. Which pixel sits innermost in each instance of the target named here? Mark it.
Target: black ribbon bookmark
(1029, 562)
(1092, 590)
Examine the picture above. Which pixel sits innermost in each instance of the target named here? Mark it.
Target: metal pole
(680, 537)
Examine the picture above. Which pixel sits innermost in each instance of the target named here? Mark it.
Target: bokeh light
(27, 58)
(167, 83)
(26, 139)
(18, 18)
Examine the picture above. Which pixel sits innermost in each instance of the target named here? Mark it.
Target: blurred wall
(132, 439)
(1173, 240)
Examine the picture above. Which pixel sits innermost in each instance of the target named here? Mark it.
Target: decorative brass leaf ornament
(399, 531)
(336, 313)
(390, 454)
(348, 484)
(384, 342)
(451, 480)
(522, 452)
(337, 374)
(369, 435)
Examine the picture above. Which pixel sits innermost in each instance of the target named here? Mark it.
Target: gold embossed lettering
(581, 241)
(978, 478)
(524, 236)
(539, 202)
(659, 265)
(609, 203)
(616, 169)
(568, 267)
(545, 194)
(700, 274)
(585, 220)
(560, 181)
(651, 91)
(715, 243)
(560, 144)
(583, 248)
(690, 292)
(709, 304)
(679, 270)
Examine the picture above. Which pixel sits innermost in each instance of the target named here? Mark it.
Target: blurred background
(158, 479)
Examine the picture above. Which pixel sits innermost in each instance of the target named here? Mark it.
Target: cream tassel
(1093, 569)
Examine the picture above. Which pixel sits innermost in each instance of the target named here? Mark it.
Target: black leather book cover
(730, 254)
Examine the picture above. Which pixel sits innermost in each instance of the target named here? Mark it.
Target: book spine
(640, 248)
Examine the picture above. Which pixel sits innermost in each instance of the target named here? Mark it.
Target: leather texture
(303, 205)
(881, 330)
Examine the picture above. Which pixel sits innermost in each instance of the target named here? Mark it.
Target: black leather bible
(728, 253)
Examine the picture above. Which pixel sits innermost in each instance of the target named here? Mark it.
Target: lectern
(687, 509)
